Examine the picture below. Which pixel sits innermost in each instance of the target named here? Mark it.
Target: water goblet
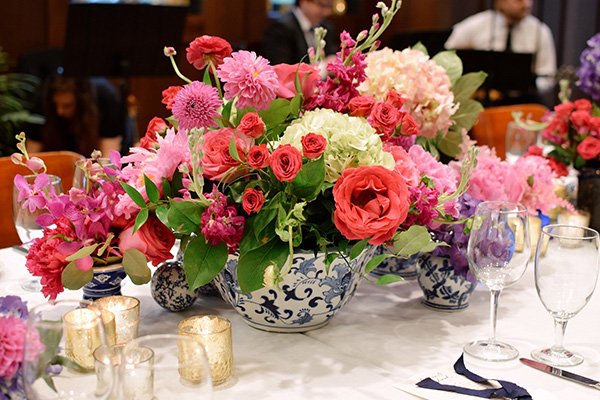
(566, 271)
(498, 252)
(60, 340)
(518, 141)
(24, 220)
(86, 167)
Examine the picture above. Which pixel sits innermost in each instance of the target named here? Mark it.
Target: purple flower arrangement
(588, 72)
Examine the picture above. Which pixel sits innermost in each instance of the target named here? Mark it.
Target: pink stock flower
(250, 78)
(195, 106)
(220, 222)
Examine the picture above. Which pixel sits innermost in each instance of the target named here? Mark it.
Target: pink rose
(217, 162)
(253, 200)
(313, 145)
(155, 125)
(589, 148)
(361, 106)
(286, 161)
(153, 239)
(286, 78)
(251, 125)
(370, 201)
(395, 99)
(384, 118)
(259, 156)
(206, 48)
(409, 126)
(405, 166)
(169, 95)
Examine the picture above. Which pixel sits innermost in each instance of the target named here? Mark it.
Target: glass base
(563, 358)
(32, 285)
(488, 351)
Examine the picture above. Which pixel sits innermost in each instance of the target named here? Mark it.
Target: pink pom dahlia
(195, 106)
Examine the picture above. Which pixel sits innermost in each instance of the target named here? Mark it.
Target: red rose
(313, 145)
(286, 161)
(563, 110)
(535, 151)
(580, 118)
(251, 125)
(286, 79)
(217, 162)
(583, 105)
(153, 239)
(409, 126)
(370, 201)
(259, 156)
(206, 48)
(559, 168)
(252, 200)
(589, 148)
(594, 124)
(169, 95)
(361, 106)
(156, 125)
(384, 118)
(395, 99)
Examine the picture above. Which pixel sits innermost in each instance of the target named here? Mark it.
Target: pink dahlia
(12, 342)
(251, 78)
(196, 105)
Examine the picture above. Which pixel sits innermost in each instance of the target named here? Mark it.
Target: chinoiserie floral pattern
(443, 289)
(309, 296)
(106, 282)
(404, 267)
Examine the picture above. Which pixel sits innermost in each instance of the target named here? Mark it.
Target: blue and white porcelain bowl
(308, 299)
(443, 289)
(404, 267)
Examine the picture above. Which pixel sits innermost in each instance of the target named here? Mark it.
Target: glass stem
(494, 295)
(559, 334)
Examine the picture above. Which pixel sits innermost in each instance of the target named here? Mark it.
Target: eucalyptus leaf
(136, 266)
(464, 87)
(202, 261)
(73, 278)
(411, 241)
(421, 47)
(466, 115)
(375, 261)
(389, 278)
(83, 252)
(450, 143)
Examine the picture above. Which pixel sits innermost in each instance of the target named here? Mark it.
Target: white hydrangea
(351, 141)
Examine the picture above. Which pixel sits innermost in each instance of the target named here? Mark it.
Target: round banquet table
(382, 338)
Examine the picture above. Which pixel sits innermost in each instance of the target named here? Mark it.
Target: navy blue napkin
(508, 389)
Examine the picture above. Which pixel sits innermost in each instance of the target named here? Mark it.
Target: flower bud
(169, 51)
(96, 154)
(16, 158)
(270, 276)
(362, 35)
(35, 164)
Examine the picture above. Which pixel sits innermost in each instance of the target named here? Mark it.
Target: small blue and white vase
(443, 289)
(404, 267)
(309, 296)
(169, 287)
(106, 282)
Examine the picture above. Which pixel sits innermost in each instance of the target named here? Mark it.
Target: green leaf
(140, 219)
(252, 264)
(166, 187)
(421, 47)
(464, 87)
(206, 78)
(73, 278)
(466, 115)
(226, 112)
(411, 241)
(450, 143)
(451, 63)
(185, 216)
(264, 217)
(295, 104)
(162, 214)
(389, 278)
(358, 248)
(308, 182)
(151, 190)
(136, 266)
(277, 112)
(137, 198)
(82, 252)
(375, 261)
(202, 261)
(233, 151)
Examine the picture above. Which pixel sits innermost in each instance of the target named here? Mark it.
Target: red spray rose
(251, 125)
(153, 239)
(156, 125)
(253, 200)
(370, 201)
(206, 48)
(395, 99)
(384, 118)
(259, 156)
(169, 95)
(361, 106)
(313, 145)
(286, 161)
(409, 126)
(589, 148)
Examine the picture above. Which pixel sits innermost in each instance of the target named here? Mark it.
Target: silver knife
(562, 373)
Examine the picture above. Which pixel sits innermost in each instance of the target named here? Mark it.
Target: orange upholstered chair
(490, 128)
(60, 163)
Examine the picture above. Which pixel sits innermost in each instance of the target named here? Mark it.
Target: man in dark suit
(287, 39)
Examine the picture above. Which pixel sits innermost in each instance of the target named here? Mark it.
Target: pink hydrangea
(220, 222)
(251, 78)
(195, 106)
(536, 177)
(12, 343)
(415, 76)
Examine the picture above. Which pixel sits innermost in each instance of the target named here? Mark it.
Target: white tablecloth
(381, 338)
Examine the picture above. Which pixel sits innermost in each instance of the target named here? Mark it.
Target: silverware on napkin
(562, 373)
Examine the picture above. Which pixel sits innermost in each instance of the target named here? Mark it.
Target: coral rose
(251, 125)
(206, 48)
(589, 148)
(259, 156)
(253, 200)
(286, 161)
(394, 98)
(155, 125)
(217, 162)
(286, 78)
(361, 106)
(384, 118)
(313, 145)
(409, 125)
(370, 201)
(153, 239)
(169, 95)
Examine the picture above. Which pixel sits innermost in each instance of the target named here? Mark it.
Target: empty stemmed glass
(498, 253)
(518, 140)
(566, 271)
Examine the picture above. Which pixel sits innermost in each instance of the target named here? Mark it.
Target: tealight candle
(106, 361)
(214, 333)
(83, 336)
(127, 315)
(136, 374)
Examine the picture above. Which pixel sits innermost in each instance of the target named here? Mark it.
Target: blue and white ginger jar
(106, 282)
(404, 267)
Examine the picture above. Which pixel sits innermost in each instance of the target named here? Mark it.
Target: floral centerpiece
(262, 161)
(84, 230)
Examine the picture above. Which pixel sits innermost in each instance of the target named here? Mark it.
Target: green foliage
(136, 266)
(203, 261)
(73, 278)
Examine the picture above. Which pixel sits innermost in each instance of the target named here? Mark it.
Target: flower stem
(179, 74)
(291, 245)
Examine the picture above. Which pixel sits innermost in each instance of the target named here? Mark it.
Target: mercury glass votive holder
(127, 315)
(108, 319)
(214, 333)
(82, 336)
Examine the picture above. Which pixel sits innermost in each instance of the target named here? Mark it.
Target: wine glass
(498, 253)
(164, 367)
(566, 271)
(87, 166)
(518, 141)
(24, 220)
(58, 361)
